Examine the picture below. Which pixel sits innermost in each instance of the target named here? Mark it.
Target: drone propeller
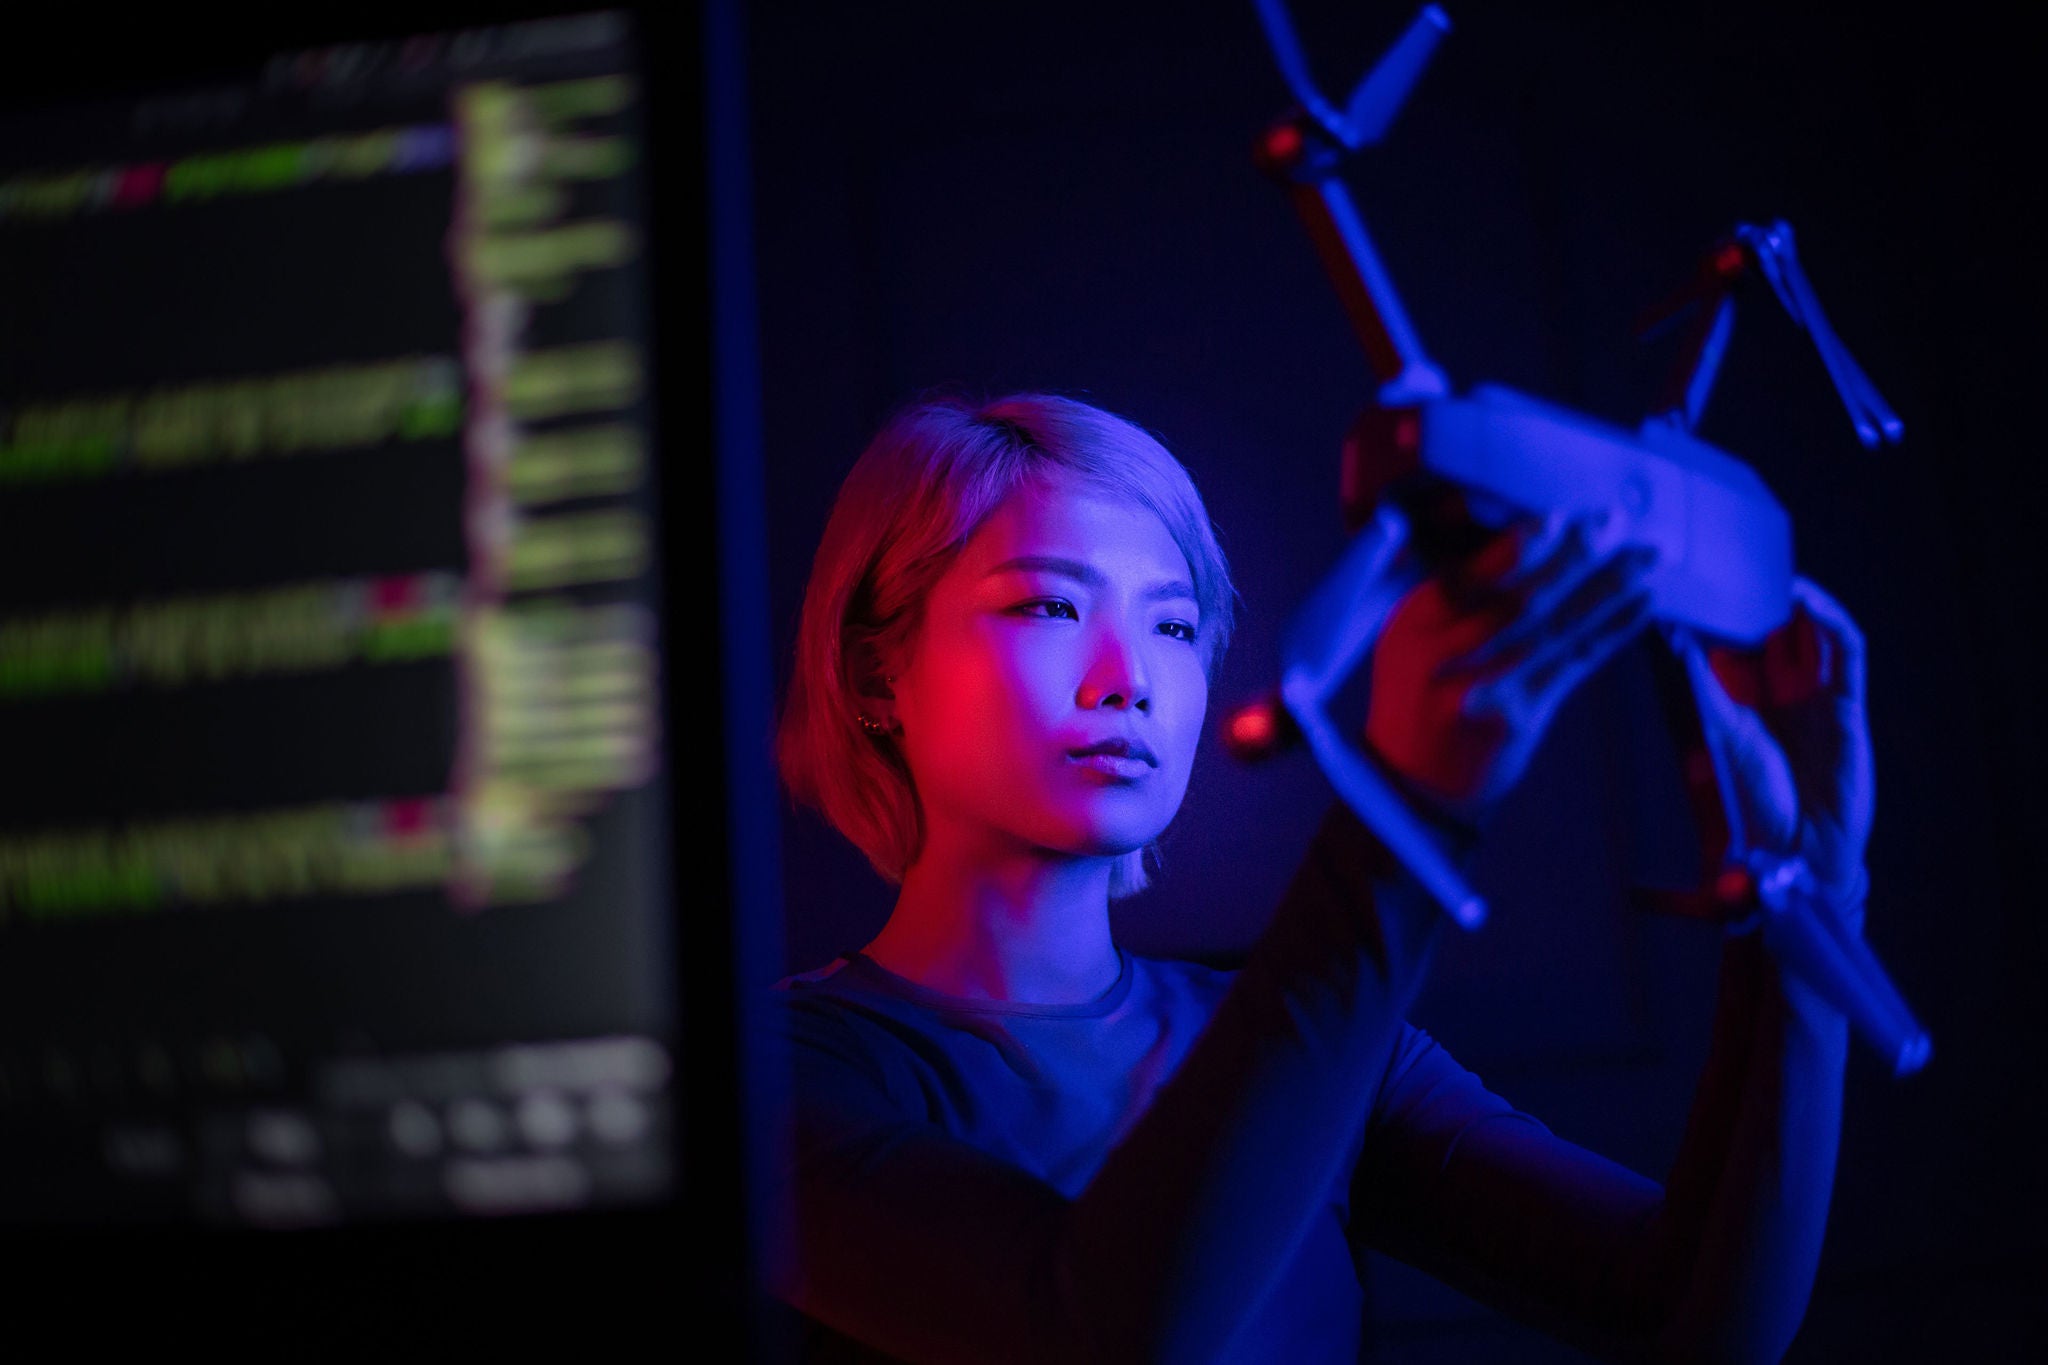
(1778, 258)
(1381, 91)
(1709, 299)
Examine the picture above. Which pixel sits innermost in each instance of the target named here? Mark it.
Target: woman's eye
(1055, 608)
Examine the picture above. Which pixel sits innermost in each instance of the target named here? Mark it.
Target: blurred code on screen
(334, 882)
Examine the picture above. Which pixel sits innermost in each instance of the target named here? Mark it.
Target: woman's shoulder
(824, 1000)
(846, 1043)
(828, 1005)
(798, 981)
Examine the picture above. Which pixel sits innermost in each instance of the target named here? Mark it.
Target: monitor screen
(335, 874)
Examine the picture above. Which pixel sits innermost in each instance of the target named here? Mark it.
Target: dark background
(1060, 196)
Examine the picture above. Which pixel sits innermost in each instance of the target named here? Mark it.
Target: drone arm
(1813, 942)
(1303, 152)
(1707, 363)
(1364, 289)
(1821, 947)
(1708, 302)
(1391, 345)
(1690, 381)
(1324, 643)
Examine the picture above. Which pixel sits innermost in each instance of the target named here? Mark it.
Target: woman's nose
(1116, 676)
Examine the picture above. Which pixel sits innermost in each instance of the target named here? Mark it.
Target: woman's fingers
(1548, 538)
(1555, 545)
(1750, 765)
(1561, 664)
(1539, 682)
(1574, 586)
(1515, 543)
(1841, 640)
(1816, 653)
(1483, 582)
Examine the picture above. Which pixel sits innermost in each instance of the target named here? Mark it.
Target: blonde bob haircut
(933, 474)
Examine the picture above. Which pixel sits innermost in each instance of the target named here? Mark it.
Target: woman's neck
(1025, 929)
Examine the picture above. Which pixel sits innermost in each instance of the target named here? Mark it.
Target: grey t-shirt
(1050, 1089)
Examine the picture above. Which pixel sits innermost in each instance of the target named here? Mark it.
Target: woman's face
(1069, 620)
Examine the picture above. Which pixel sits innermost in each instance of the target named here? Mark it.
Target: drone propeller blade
(1383, 90)
(1778, 256)
(1874, 419)
(1294, 66)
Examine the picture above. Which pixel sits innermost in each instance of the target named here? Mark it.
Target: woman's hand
(1786, 723)
(1474, 663)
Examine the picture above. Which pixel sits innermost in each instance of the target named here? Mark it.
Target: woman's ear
(874, 687)
(873, 678)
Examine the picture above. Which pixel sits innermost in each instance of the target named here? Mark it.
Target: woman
(1015, 1141)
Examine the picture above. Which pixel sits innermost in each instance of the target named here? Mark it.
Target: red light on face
(1728, 261)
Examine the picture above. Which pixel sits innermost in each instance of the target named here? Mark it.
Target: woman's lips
(1117, 748)
(1121, 767)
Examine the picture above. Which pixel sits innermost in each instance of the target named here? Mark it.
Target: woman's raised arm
(1716, 1265)
(1719, 1264)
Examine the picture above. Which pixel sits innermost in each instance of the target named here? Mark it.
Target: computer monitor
(363, 877)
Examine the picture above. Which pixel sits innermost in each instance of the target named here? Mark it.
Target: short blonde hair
(933, 474)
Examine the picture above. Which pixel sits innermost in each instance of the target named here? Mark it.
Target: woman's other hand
(1786, 723)
(1474, 662)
